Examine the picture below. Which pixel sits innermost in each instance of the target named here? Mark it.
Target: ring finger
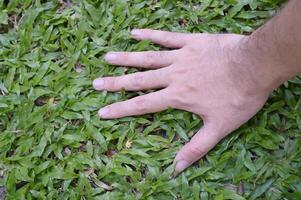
(133, 82)
(149, 103)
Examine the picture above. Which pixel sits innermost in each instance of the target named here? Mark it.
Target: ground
(53, 145)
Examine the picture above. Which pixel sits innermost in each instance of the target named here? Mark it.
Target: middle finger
(147, 59)
(152, 79)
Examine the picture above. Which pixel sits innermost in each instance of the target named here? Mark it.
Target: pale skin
(223, 78)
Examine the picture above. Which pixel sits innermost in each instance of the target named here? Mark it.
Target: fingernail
(180, 166)
(110, 57)
(136, 32)
(103, 112)
(98, 84)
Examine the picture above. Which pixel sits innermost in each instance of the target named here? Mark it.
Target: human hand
(206, 74)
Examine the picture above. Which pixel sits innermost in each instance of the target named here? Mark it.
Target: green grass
(53, 145)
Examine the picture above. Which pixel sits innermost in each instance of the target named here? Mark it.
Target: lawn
(54, 146)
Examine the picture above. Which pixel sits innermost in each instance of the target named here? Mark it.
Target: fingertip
(136, 33)
(110, 57)
(181, 165)
(98, 84)
(103, 113)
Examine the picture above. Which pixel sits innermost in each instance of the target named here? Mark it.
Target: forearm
(274, 50)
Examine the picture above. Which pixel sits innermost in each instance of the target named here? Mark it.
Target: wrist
(264, 66)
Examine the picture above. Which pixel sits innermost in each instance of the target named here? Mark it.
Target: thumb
(204, 140)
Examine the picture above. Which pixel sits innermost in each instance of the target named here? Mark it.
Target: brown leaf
(40, 101)
(79, 67)
(89, 171)
(110, 152)
(2, 193)
(67, 151)
(240, 188)
(102, 184)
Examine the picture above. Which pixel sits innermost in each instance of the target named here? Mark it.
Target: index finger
(164, 38)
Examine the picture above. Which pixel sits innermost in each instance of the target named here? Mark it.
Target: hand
(206, 74)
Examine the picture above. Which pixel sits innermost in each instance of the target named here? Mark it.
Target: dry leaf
(128, 144)
(102, 185)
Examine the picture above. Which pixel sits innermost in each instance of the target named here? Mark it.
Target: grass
(53, 145)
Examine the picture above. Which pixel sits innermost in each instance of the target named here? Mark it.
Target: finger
(149, 103)
(133, 82)
(148, 59)
(165, 38)
(204, 140)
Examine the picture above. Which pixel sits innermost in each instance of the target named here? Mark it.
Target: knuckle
(188, 48)
(137, 81)
(140, 104)
(168, 39)
(157, 75)
(178, 100)
(180, 71)
(237, 102)
(191, 49)
(153, 57)
(110, 83)
(238, 99)
(197, 151)
(126, 57)
(114, 109)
